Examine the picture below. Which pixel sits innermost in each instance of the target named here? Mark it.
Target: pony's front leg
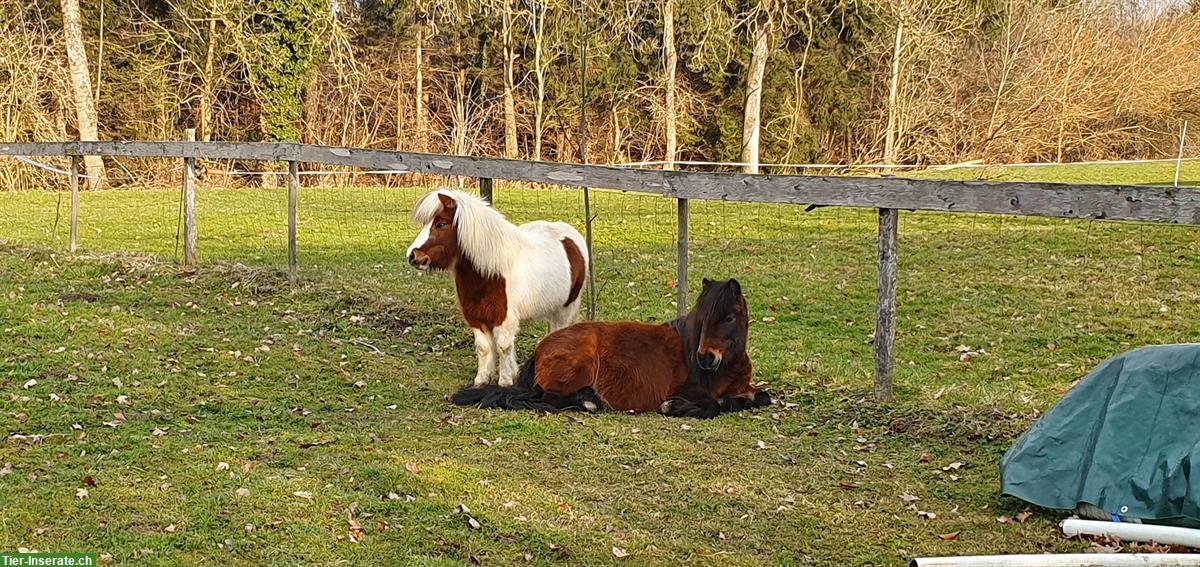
(506, 336)
(756, 399)
(691, 401)
(485, 352)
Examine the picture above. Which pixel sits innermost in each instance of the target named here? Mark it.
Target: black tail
(526, 378)
(525, 395)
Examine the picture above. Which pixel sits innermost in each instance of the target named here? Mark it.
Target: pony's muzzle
(708, 360)
(420, 262)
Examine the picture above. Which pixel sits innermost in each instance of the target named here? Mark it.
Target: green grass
(230, 365)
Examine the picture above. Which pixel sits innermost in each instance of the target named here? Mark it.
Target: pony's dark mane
(691, 325)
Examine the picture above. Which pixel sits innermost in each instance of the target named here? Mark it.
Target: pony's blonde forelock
(487, 239)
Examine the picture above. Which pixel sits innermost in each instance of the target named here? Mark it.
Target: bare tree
(668, 14)
(510, 56)
(81, 86)
(752, 114)
(537, 23)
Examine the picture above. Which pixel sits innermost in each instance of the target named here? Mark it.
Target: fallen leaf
(948, 537)
(761, 446)
(925, 458)
(357, 533)
(473, 523)
(412, 467)
(926, 515)
(953, 466)
(619, 553)
(462, 509)
(89, 481)
(170, 529)
(81, 493)
(1023, 516)
(243, 492)
(849, 485)
(909, 498)
(303, 494)
(222, 466)
(31, 383)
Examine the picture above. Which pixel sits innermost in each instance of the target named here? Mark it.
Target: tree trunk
(752, 119)
(889, 140)
(81, 85)
(400, 83)
(669, 48)
(539, 33)
(510, 107)
(419, 99)
(207, 82)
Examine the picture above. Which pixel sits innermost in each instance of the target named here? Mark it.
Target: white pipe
(1167, 535)
(1063, 560)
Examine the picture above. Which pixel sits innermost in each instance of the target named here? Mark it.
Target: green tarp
(1123, 439)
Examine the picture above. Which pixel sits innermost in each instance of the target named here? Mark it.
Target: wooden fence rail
(887, 194)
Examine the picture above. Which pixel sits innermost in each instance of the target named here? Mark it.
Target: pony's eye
(440, 225)
(730, 318)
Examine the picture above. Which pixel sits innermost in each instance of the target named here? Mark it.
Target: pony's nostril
(707, 359)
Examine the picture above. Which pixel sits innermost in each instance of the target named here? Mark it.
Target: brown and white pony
(694, 366)
(503, 274)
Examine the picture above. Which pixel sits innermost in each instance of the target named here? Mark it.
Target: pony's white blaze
(532, 260)
(419, 242)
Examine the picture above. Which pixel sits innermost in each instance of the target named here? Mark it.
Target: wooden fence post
(189, 206)
(681, 278)
(293, 203)
(75, 165)
(485, 190)
(885, 305)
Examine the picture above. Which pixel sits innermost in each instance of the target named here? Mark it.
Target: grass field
(222, 417)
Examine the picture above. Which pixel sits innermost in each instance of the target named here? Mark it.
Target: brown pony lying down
(694, 366)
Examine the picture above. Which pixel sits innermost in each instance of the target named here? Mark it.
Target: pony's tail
(525, 395)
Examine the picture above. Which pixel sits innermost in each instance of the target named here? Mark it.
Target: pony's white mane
(487, 239)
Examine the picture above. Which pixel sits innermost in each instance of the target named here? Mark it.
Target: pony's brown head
(723, 321)
(436, 247)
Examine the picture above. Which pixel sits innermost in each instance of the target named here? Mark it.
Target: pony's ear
(707, 282)
(737, 287)
(448, 203)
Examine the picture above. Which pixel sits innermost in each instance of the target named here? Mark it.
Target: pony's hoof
(666, 407)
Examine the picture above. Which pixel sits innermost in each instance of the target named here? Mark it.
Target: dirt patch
(80, 297)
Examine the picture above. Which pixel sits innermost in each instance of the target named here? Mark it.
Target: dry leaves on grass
(412, 467)
(619, 553)
(948, 537)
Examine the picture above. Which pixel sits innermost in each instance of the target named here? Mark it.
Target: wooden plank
(485, 189)
(76, 163)
(681, 276)
(189, 207)
(293, 204)
(1116, 202)
(885, 305)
